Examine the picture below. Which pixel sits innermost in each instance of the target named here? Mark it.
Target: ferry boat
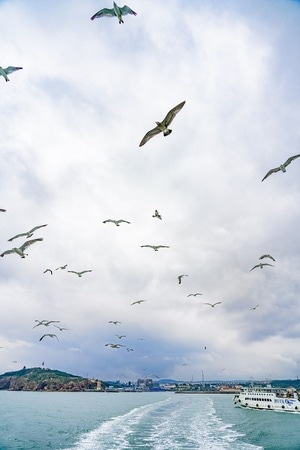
(270, 398)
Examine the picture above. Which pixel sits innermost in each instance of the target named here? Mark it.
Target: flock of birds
(161, 127)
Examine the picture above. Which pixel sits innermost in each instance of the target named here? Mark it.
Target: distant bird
(261, 265)
(62, 267)
(116, 11)
(60, 328)
(115, 322)
(79, 273)
(44, 322)
(28, 234)
(157, 215)
(129, 349)
(48, 270)
(116, 222)
(282, 167)
(9, 69)
(254, 308)
(2, 210)
(267, 256)
(138, 302)
(50, 335)
(162, 127)
(179, 278)
(141, 339)
(212, 304)
(20, 250)
(114, 345)
(155, 247)
(120, 336)
(194, 295)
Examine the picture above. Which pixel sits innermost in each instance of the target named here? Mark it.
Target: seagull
(129, 349)
(62, 267)
(115, 322)
(261, 265)
(121, 336)
(162, 127)
(28, 234)
(60, 328)
(156, 247)
(179, 278)
(157, 215)
(282, 167)
(115, 11)
(138, 302)
(212, 304)
(45, 322)
(114, 345)
(9, 69)
(20, 250)
(116, 222)
(48, 270)
(254, 308)
(267, 256)
(50, 335)
(79, 273)
(194, 295)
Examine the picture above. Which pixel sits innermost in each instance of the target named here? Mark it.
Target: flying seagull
(155, 247)
(116, 222)
(194, 295)
(120, 336)
(138, 302)
(60, 328)
(28, 234)
(115, 322)
(44, 322)
(114, 345)
(157, 215)
(162, 127)
(129, 349)
(9, 69)
(62, 267)
(50, 335)
(212, 304)
(20, 250)
(254, 308)
(179, 278)
(79, 273)
(116, 11)
(267, 256)
(48, 270)
(282, 167)
(261, 265)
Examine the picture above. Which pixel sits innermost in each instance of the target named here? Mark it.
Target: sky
(71, 123)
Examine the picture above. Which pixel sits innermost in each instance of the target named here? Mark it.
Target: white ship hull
(268, 398)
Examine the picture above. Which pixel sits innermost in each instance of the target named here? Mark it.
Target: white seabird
(7, 70)
(28, 234)
(20, 250)
(282, 167)
(116, 11)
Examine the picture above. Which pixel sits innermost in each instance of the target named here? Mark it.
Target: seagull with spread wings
(79, 273)
(254, 308)
(114, 345)
(44, 322)
(50, 335)
(20, 250)
(179, 278)
(261, 266)
(120, 336)
(157, 215)
(115, 322)
(116, 222)
(62, 267)
(267, 256)
(282, 167)
(28, 234)
(7, 70)
(212, 304)
(155, 247)
(138, 302)
(162, 127)
(116, 11)
(194, 295)
(48, 270)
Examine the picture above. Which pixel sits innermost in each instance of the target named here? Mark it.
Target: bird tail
(167, 132)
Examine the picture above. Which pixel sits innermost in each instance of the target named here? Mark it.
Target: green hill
(37, 379)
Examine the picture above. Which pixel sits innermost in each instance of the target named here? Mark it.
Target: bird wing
(147, 245)
(205, 303)
(121, 220)
(276, 169)
(290, 159)
(28, 243)
(217, 303)
(162, 246)
(126, 10)
(16, 236)
(254, 267)
(73, 271)
(104, 12)
(172, 113)
(109, 220)
(11, 69)
(7, 252)
(85, 271)
(150, 135)
(36, 228)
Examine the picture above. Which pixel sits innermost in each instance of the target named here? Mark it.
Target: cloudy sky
(71, 124)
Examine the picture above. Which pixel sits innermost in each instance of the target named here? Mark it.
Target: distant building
(144, 384)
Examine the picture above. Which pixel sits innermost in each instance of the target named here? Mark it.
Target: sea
(140, 421)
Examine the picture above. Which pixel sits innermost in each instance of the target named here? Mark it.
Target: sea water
(140, 421)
